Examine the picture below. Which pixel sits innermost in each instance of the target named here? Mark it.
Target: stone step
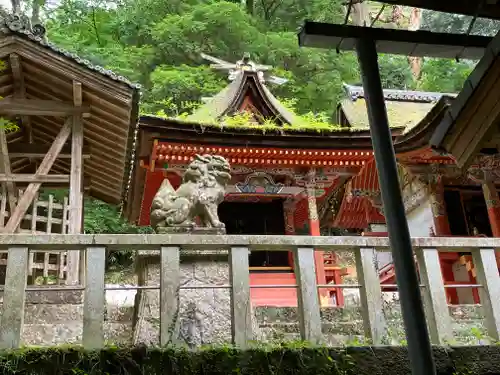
(71, 333)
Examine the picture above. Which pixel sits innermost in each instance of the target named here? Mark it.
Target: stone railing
(170, 248)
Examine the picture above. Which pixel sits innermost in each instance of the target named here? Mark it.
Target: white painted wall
(420, 219)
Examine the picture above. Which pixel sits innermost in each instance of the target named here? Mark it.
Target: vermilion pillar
(314, 230)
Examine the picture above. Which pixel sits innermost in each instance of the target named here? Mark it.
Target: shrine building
(291, 176)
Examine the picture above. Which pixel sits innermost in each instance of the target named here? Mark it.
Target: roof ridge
(355, 92)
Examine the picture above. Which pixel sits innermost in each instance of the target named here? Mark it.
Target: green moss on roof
(400, 114)
(243, 122)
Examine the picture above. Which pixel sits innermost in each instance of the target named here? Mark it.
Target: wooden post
(75, 186)
(436, 306)
(169, 294)
(370, 296)
(241, 309)
(94, 299)
(5, 169)
(307, 293)
(12, 319)
(20, 92)
(487, 276)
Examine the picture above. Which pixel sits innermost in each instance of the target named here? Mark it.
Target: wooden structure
(288, 168)
(427, 252)
(76, 124)
(455, 201)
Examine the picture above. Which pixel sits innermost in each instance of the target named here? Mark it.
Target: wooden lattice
(44, 217)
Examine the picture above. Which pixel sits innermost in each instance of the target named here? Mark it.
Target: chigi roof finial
(245, 64)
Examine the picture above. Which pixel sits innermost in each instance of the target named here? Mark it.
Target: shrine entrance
(467, 212)
(257, 218)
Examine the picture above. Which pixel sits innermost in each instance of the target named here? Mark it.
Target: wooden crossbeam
(20, 92)
(26, 177)
(37, 107)
(36, 150)
(44, 168)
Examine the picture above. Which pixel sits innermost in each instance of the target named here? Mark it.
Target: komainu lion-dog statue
(201, 191)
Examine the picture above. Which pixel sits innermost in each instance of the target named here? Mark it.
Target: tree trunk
(415, 62)
(16, 6)
(250, 6)
(359, 14)
(35, 11)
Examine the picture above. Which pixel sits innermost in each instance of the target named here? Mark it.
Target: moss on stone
(294, 358)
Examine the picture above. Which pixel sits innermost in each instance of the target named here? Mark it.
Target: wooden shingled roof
(37, 69)
(228, 101)
(405, 108)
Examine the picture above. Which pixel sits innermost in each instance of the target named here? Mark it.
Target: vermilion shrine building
(291, 178)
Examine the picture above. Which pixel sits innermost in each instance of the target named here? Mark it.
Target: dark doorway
(467, 212)
(257, 218)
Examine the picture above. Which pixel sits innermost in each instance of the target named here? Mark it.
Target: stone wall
(56, 318)
(204, 314)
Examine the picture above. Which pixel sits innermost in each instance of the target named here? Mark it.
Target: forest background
(157, 43)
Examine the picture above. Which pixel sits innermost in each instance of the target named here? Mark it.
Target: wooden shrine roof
(42, 71)
(229, 101)
(471, 123)
(405, 109)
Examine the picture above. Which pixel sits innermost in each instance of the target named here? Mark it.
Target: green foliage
(444, 75)
(292, 358)
(158, 43)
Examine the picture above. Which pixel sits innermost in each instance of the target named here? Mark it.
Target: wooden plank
(11, 323)
(307, 294)
(44, 168)
(49, 214)
(435, 303)
(241, 309)
(169, 294)
(38, 107)
(487, 275)
(75, 186)
(94, 305)
(25, 177)
(370, 295)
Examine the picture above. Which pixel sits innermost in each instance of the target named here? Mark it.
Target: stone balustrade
(170, 247)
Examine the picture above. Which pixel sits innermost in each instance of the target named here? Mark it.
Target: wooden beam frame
(24, 202)
(37, 107)
(26, 177)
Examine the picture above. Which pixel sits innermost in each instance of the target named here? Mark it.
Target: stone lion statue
(201, 191)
